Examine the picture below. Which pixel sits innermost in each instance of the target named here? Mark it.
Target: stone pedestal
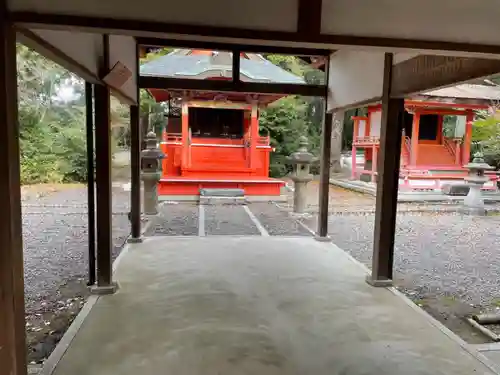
(474, 202)
(301, 162)
(150, 192)
(300, 196)
(151, 174)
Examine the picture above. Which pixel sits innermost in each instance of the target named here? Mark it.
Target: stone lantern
(301, 162)
(151, 158)
(473, 202)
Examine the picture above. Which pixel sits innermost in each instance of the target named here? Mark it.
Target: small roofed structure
(431, 154)
(212, 139)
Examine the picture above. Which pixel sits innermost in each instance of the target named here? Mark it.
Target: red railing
(173, 137)
(406, 150)
(263, 141)
(450, 145)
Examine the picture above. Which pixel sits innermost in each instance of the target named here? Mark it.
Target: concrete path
(222, 305)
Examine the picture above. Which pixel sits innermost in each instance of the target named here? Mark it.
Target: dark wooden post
(324, 182)
(105, 283)
(89, 110)
(135, 161)
(12, 322)
(135, 165)
(388, 182)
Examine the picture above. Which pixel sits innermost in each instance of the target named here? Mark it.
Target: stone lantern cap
(302, 156)
(152, 151)
(478, 163)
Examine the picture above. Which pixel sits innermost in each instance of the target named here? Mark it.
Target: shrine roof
(466, 91)
(178, 65)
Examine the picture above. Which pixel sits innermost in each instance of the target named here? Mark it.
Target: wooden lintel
(32, 40)
(427, 72)
(146, 82)
(218, 46)
(141, 27)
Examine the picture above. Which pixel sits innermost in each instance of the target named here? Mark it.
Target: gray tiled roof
(467, 91)
(177, 66)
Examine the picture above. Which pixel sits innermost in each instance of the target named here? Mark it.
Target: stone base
(214, 200)
(135, 240)
(300, 215)
(384, 283)
(104, 290)
(323, 239)
(473, 211)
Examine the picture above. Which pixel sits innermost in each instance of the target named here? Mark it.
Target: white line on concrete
(201, 221)
(260, 227)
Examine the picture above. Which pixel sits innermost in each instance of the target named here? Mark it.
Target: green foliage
(52, 126)
(486, 138)
(288, 118)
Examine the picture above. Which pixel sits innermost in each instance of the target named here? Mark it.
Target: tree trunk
(337, 129)
(144, 128)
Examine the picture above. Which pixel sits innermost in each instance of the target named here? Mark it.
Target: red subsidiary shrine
(212, 140)
(431, 156)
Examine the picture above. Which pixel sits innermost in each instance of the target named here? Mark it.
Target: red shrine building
(431, 155)
(212, 140)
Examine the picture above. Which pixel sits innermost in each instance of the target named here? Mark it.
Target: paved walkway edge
(474, 352)
(58, 353)
(55, 357)
(258, 224)
(433, 321)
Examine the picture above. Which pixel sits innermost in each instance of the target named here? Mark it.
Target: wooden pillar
(353, 162)
(458, 151)
(439, 135)
(135, 171)
(468, 136)
(12, 323)
(185, 133)
(89, 119)
(414, 139)
(388, 182)
(324, 182)
(374, 163)
(254, 135)
(103, 182)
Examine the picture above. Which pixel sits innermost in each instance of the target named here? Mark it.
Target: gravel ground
(446, 263)
(277, 222)
(443, 254)
(228, 220)
(175, 220)
(56, 259)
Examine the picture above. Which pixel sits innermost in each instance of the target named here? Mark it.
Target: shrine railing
(263, 141)
(366, 141)
(174, 138)
(453, 146)
(406, 149)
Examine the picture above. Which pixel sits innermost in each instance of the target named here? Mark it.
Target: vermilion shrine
(212, 139)
(429, 157)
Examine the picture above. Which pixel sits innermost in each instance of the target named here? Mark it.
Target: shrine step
(222, 196)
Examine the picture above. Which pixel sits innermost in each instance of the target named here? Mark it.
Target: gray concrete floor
(255, 305)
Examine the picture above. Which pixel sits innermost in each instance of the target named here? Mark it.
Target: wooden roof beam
(147, 82)
(216, 46)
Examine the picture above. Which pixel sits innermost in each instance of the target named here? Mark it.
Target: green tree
(486, 138)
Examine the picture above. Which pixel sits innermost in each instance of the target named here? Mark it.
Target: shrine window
(216, 123)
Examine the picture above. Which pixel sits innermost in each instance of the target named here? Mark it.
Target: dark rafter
(216, 46)
(230, 86)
